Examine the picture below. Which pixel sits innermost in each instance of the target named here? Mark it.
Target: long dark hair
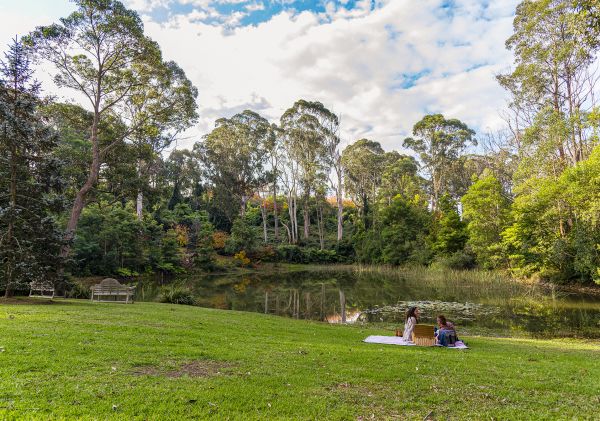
(411, 312)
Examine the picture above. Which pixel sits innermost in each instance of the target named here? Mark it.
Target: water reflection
(347, 297)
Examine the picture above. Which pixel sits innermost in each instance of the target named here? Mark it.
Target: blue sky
(254, 11)
(380, 64)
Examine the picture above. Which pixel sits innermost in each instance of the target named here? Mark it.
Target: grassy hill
(76, 359)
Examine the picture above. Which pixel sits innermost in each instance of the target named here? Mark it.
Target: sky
(379, 64)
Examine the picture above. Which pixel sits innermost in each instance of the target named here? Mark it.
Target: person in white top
(412, 318)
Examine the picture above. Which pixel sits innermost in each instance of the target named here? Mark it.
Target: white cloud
(354, 63)
(147, 5)
(255, 7)
(381, 68)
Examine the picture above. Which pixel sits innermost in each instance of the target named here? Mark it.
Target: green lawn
(75, 359)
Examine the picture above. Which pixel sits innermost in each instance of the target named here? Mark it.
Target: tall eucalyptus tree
(234, 155)
(100, 51)
(309, 127)
(439, 143)
(555, 43)
(273, 146)
(363, 167)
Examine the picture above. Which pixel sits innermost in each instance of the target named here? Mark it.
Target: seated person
(412, 318)
(445, 334)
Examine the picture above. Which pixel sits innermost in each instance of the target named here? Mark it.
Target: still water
(489, 304)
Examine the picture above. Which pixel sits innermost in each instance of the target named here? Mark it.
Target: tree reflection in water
(344, 296)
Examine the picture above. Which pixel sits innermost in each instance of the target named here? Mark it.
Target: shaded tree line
(96, 187)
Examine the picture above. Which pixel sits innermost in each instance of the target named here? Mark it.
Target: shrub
(219, 239)
(126, 273)
(76, 290)
(177, 295)
(243, 237)
(457, 261)
(345, 250)
(266, 253)
(241, 259)
(290, 253)
(296, 254)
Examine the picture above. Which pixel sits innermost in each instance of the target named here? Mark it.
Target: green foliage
(486, 212)
(234, 155)
(109, 239)
(126, 273)
(400, 176)
(399, 239)
(141, 212)
(555, 232)
(202, 242)
(439, 143)
(76, 290)
(171, 253)
(459, 260)
(363, 166)
(30, 180)
(243, 237)
(448, 234)
(177, 295)
(295, 254)
(112, 240)
(100, 51)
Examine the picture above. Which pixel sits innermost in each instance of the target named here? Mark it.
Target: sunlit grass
(76, 359)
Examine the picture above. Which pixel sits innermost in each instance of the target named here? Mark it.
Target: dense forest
(86, 188)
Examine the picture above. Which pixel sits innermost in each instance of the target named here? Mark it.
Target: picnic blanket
(398, 340)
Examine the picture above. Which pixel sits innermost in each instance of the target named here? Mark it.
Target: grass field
(75, 359)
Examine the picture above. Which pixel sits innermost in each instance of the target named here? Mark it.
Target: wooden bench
(43, 289)
(424, 335)
(110, 290)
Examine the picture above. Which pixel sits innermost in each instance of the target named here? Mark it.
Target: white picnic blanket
(398, 340)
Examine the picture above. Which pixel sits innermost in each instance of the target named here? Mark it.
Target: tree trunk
(342, 306)
(365, 211)
(322, 302)
(289, 234)
(291, 228)
(293, 219)
(266, 302)
(340, 206)
(263, 211)
(306, 220)
(243, 206)
(81, 195)
(308, 305)
(11, 222)
(275, 215)
(295, 226)
(139, 205)
(320, 226)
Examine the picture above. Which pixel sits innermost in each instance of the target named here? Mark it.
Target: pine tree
(29, 179)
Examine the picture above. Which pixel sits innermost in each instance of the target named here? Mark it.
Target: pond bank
(481, 303)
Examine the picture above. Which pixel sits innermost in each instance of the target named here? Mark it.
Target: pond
(477, 302)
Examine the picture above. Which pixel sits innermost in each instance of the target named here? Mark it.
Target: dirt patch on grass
(198, 368)
(29, 301)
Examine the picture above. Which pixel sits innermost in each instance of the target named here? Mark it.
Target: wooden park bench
(424, 335)
(110, 290)
(41, 289)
